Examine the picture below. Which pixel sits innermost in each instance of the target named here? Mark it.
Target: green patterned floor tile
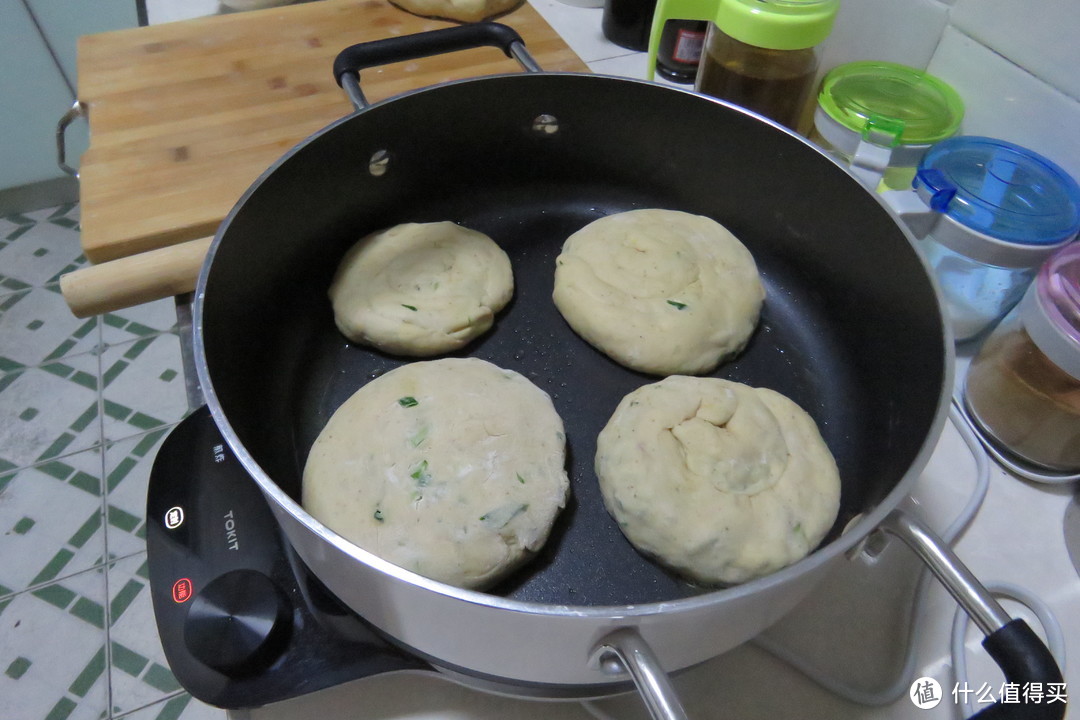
(141, 321)
(140, 674)
(36, 327)
(18, 668)
(180, 706)
(52, 656)
(84, 406)
(127, 473)
(128, 661)
(49, 410)
(142, 386)
(51, 519)
(39, 247)
(8, 284)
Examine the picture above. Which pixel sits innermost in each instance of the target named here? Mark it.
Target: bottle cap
(1001, 190)
(1051, 309)
(890, 104)
(777, 24)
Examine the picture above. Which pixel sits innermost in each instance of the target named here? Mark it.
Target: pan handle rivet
(379, 163)
(610, 663)
(545, 124)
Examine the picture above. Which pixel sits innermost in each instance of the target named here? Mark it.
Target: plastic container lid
(776, 24)
(1051, 309)
(890, 104)
(1001, 190)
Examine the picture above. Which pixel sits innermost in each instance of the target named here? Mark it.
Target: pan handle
(624, 650)
(353, 59)
(1017, 650)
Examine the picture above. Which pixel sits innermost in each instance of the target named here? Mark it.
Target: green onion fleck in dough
(677, 305)
(520, 479)
(418, 437)
(420, 474)
(378, 515)
(500, 517)
(408, 401)
(409, 307)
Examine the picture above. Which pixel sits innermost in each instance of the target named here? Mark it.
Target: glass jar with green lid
(759, 54)
(880, 118)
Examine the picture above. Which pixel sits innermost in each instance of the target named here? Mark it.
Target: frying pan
(852, 330)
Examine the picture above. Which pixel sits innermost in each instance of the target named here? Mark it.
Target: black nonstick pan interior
(850, 330)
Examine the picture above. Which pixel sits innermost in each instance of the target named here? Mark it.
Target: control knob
(237, 623)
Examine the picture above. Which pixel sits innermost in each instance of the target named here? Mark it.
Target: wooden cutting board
(185, 115)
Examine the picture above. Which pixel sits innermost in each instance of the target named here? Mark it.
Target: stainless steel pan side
(852, 330)
(867, 359)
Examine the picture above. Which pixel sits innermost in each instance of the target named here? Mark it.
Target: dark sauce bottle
(627, 22)
(679, 54)
(774, 83)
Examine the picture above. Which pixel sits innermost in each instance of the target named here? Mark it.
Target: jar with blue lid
(989, 213)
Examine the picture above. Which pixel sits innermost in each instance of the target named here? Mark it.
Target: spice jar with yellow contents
(759, 54)
(1023, 387)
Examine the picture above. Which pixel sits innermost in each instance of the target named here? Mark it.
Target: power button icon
(174, 517)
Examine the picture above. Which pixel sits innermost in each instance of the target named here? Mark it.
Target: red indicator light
(181, 590)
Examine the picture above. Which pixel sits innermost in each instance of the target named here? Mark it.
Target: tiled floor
(84, 405)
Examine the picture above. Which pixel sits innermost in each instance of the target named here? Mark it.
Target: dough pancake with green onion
(451, 468)
(659, 291)
(420, 289)
(719, 481)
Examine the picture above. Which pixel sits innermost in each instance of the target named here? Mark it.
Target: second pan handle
(624, 650)
(353, 59)
(1022, 656)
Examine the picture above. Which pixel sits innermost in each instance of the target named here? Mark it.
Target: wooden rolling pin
(134, 279)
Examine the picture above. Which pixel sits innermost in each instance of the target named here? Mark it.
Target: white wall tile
(1039, 35)
(35, 96)
(580, 27)
(62, 22)
(160, 11)
(903, 32)
(1004, 101)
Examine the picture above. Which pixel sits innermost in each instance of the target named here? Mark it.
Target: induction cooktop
(242, 621)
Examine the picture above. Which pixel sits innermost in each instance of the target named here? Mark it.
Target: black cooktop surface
(242, 621)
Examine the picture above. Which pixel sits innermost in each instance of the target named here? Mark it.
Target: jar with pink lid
(1023, 386)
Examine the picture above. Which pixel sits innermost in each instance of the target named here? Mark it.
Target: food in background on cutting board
(459, 10)
(660, 291)
(719, 481)
(451, 468)
(420, 289)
